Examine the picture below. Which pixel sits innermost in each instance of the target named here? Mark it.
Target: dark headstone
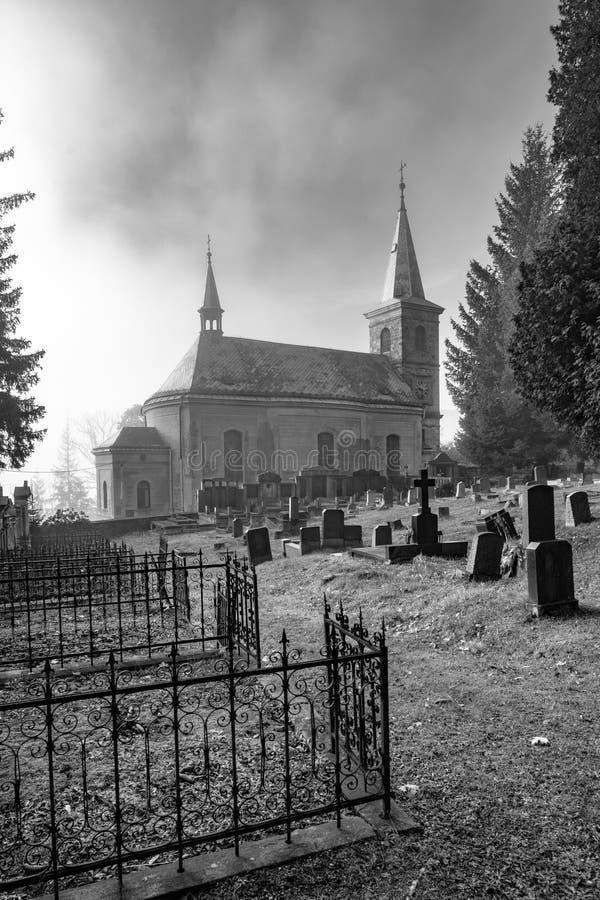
(587, 478)
(485, 556)
(259, 546)
(444, 512)
(333, 528)
(388, 495)
(396, 524)
(577, 508)
(483, 484)
(538, 513)
(310, 539)
(238, 527)
(382, 534)
(293, 509)
(550, 578)
(425, 528)
(353, 535)
(540, 473)
(502, 523)
(423, 484)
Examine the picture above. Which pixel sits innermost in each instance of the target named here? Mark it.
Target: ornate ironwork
(129, 768)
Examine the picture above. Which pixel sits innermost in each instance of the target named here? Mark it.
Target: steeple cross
(402, 185)
(424, 483)
(208, 253)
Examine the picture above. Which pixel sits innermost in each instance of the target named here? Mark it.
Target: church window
(392, 454)
(104, 495)
(232, 454)
(325, 449)
(385, 339)
(143, 495)
(420, 338)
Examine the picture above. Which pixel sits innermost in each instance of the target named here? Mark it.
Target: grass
(473, 681)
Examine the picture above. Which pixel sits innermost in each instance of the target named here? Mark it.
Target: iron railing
(132, 768)
(134, 605)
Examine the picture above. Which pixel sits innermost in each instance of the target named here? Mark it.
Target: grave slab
(550, 578)
(259, 546)
(485, 555)
(353, 535)
(382, 535)
(333, 528)
(577, 509)
(538, 513)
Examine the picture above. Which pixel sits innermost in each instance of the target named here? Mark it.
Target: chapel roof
(231, 366)
(133, 437)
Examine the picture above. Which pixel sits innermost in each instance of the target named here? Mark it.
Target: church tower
(405, 328)
(211, 314)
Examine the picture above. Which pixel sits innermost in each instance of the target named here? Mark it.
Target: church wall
(280, 437)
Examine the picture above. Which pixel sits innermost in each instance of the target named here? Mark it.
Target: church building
(243, 420)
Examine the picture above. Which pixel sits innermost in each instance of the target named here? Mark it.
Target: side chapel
(240, 420)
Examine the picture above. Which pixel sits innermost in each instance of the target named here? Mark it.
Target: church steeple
(211, 314)
(403, 279)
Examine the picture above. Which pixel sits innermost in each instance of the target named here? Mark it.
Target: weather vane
(402, 185)
(208, 253)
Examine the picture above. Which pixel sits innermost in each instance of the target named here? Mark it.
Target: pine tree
(70, 491)
(497, 428)
(556, 350)
(18, 368)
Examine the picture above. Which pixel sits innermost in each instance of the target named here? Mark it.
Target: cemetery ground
(494, 720)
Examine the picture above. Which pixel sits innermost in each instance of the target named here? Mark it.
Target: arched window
(420, 337)
(104, 496)
(232, 454)
(325, 449)
(385, 340)
(392, 454)
(143, 495)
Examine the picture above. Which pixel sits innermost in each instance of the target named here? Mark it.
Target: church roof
(231, 366)
(134, 438)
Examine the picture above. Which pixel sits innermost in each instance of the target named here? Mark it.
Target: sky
(277, 126)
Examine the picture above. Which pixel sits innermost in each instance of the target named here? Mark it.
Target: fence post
(50, 746)
(234, 776)
(59, 601)
(385, 726)
(179, 825)
(27, 600)
(335, 722)
(286, 736)
(90, 609)
(114, 711)
(256, 620)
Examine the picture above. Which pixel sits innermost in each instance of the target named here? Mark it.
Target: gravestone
(485, 556)
(259, 546)
(396, 524)
(502, 523)
(382, 535)
(353, 536)
(413, 496)
(293, 509)
(550, 578)
(460, 490)
(587, 478)
(388, 495)
(333, 528)
(425, 523)
(540, 474)
(538, 513)
(443, 512)
(483, 484)
(310, 539)
(577, 509)
(371, 498)
(511, 481)
(238, 527)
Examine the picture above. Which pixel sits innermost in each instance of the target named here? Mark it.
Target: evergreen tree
(18, 368)
(556, 350)
(497, 428)
(70, 490)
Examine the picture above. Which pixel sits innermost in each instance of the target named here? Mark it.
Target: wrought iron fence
(74, 610)
(129, 769)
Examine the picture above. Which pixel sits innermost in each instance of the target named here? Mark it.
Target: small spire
(402, 185)
(211, 311)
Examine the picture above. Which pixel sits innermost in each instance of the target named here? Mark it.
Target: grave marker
(238, 527)
(550, 578)
(460, 490)
(353, 536)
(485, 556)
(577, 509)
(483, 485)
(293, 509)
(333, 528)
(425, 523)
(538, 513)
(382, 535)
(540, 474)
(443, 512)
(259, 546)
(388, 495)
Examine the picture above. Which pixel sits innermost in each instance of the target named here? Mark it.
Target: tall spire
(403, 278)
(211, 312)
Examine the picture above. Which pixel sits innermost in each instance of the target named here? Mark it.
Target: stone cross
(424, 483)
